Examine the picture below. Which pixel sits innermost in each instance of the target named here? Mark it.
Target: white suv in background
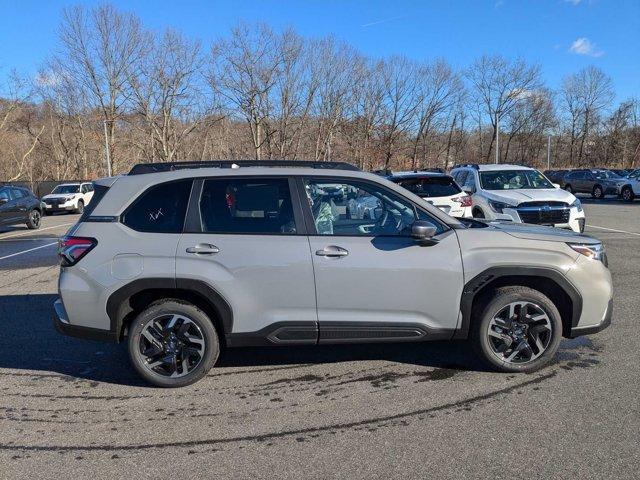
(69, 197)
(439, 189)
(518, 194)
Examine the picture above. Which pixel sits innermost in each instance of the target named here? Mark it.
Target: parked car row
(599, 182)
(20, 205)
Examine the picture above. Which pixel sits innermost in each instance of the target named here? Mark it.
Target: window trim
(193, 219)
(121, 217)
(311, 224)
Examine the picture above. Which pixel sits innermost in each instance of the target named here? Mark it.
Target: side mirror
(423, 232)
(557, 185)
(468, 190)
(3, 200)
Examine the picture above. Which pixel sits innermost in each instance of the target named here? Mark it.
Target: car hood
(539, 232)
(517, 196)
(62, 196)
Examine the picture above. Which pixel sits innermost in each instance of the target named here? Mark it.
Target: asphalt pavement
(74, 409)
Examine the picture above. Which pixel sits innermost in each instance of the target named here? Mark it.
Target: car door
(373, 281)
(5, 204)
(12, 206)
(245, 238)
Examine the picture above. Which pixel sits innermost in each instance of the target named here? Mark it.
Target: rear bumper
(588, 330)
(62, 325)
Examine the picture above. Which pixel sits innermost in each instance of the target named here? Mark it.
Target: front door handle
(332, 251)
(203, 249)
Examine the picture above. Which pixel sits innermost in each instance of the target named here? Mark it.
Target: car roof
(501, 166)
(417, 175)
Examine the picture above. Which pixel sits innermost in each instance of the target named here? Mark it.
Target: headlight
(577, 204)
(594, 251)
(499, 206)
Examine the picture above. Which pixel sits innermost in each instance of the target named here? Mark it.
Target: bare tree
(244, 69)
(99, 48)
(168, 94)
(498, 84)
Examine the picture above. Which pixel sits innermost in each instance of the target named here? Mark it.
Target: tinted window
(470, 181)
(17, 193)
(100, 192)
(4, 194)
(259, 206)
(355, 208)
(160, 209)
(432, 186)
(89, 187)
(66, 189)
(461, 177)
(513, 180)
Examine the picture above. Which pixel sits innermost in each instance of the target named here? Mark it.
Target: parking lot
(75, 407)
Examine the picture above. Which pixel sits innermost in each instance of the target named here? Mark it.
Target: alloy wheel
(519, 333)
(34, 218)
(171, 345)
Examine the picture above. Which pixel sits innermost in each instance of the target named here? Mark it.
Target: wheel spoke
(522, 314)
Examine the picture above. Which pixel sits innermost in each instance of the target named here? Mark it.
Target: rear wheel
(478, 213)
(519, 330)
(597, 193)
(173, 344)
(33, 219)
(627, 194)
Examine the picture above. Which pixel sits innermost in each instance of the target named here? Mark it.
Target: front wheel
(80, 207)
(33, 219)
(597, 193)
(519, 330)
(173, 344)
(627, 194)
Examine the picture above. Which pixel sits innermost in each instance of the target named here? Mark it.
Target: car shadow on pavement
(31, 343)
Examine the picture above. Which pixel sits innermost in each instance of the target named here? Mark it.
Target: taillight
(72, 249)
(464, 201)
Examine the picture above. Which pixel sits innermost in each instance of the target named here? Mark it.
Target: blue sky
(605, 33)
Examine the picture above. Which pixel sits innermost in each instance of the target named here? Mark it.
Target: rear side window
(430, 186)
(253, 206)
(160, 209)
(17, 193)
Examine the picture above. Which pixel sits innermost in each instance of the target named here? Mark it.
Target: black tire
(80, 207)
(568, 188)
(627, 194)
(33, 219)
(502, 298)
(478, 213)
(168, 308)
(598, 192)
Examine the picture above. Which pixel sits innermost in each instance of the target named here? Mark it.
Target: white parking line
(36, 231)
(27, 251)
(614, 230)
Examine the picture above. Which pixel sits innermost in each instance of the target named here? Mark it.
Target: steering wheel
(387, 221)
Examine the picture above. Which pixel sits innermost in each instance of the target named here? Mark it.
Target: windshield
(429, 186)
(606, 174)
(65, 189)
(513, 180)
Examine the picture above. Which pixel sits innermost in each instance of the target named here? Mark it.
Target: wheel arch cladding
(126, 302)
(548, 281)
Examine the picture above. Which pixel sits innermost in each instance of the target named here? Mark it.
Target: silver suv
(182, 260)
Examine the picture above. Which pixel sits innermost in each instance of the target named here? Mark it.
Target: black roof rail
(384, 172)
(470, 165)
(431, 169)
(142, 168)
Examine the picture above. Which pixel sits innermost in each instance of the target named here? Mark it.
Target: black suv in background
(598, 183)
(19, 205)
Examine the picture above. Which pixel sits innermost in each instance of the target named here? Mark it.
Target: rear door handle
(203, 249)
(332, 251)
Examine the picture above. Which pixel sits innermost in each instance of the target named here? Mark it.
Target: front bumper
(575, 221)
(62, 325)
(64, 207)
(590, 329)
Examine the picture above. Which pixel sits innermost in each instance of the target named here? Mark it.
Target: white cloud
(583, 46)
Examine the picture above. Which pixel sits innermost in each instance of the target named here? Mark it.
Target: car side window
(89, 187)
(247, 206)
(17, 193)
(83, 188)
(353, 208)
(160, 209)
(470, 181)
(461, 177)
(4, 195)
